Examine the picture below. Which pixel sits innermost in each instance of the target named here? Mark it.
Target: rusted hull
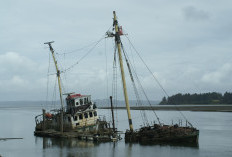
(103, 133)
(163, 134)
(106, 137)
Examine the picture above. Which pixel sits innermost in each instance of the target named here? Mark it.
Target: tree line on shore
(202, 98)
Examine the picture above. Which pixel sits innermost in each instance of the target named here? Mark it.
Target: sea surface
(18, 122)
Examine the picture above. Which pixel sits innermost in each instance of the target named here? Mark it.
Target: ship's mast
(118, 43)
(60, 89)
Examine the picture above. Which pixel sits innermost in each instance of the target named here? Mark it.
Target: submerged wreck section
(157, 133)
(80, 120)
(102, 134)
(163, 134)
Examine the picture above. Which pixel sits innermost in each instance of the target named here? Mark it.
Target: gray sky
(186, 44)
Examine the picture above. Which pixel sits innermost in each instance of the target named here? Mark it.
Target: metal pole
(118, 42)
(112, 110)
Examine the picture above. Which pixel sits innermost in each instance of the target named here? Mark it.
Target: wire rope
(49, 58)
(156, 79)
(85, 55)
(143, 114)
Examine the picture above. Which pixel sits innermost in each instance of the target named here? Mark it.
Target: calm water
(215, 136)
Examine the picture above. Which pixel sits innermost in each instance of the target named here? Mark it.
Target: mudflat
(213, 108)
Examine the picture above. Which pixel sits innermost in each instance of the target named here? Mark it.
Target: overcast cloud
(186, 44)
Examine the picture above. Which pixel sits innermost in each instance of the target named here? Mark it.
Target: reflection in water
(73, 147)
(135, 149)
(113, 150)
(66, 143)
(129, 152)
(64, 147)
(192, 145)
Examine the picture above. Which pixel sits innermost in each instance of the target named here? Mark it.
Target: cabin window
(81, 101)
(77, 124)
(86, 115)
(75, 118)
(77, 103)
(91, 114)
(95, 113)
(80, 116)
(85, 101)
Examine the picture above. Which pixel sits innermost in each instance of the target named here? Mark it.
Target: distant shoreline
(211, 108)
(186, 107)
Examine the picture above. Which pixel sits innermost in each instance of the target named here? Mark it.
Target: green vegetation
(203, 98)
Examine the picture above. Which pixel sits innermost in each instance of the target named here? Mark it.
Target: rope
(114, 83)
(54, 95)
(48, 78)
(147, 67)
(142, 112)
(85, 55)
(65, 76)
(157, 80)
(140, 87)
(79, 49)
(106, 64)
(107, 93)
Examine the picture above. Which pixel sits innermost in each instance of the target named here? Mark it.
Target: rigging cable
(54, 95)
(79, 49)
(142, 112)
(49, 62)
(65, 77)
(86, 54)
(156, 79)
(147, 67)
(106, 64)
(82, 48)
(107, 93)
(135, 89)
(114, 83)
